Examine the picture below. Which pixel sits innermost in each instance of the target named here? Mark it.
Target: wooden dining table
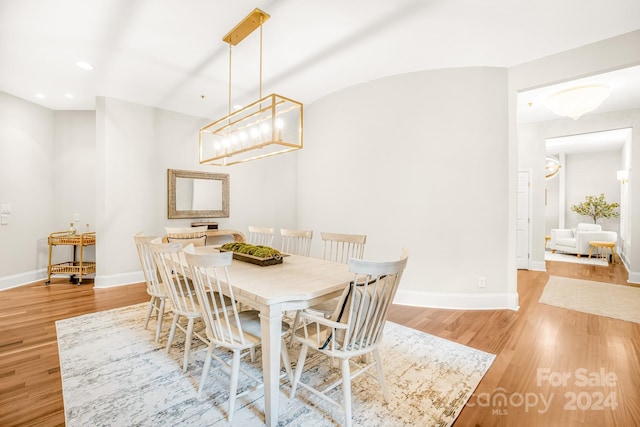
(299, 282)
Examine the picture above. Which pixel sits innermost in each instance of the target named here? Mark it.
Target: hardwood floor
(537, 345)
(537, 337)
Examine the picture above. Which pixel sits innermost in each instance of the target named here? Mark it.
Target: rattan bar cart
(75, 269)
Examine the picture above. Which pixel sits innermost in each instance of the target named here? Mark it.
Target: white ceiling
(168, 54)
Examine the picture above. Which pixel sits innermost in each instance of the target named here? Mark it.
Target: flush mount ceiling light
(576, 101)
(269, 126)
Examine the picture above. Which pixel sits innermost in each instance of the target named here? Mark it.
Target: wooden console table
(72, 268)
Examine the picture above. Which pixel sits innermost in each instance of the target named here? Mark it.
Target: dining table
(297, 283)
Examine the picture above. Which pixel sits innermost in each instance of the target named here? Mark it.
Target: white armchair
(576, 240)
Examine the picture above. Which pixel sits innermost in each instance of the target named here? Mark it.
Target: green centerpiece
(255, 254)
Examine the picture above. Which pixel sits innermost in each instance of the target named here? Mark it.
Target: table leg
(271, 324)
(590, 252)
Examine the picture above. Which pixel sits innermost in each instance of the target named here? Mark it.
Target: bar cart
(76, 268)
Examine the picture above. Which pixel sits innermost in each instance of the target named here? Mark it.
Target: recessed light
(39, 95)
(84, 65)
(68, 95)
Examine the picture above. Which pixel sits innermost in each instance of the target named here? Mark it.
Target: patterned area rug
(113, 373)
(603, 299)
(595, 260)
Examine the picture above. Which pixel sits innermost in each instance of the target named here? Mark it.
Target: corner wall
(26, 183)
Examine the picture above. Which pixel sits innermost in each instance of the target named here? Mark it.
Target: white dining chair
(260, 236)
(338, 247)
(296, 242)
(155, 287)
(355, 330)
(170, 262)
(238, 331)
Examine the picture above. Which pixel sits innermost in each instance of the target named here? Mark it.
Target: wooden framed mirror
(193, 194)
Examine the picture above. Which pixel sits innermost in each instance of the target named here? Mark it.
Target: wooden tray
(262, 262)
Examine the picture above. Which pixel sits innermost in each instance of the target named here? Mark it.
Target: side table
(603, 248)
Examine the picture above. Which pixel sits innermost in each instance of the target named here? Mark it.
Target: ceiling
(170, 54)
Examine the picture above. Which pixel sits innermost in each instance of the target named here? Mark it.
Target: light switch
(4, 219)
(76, 217)
(5, 209)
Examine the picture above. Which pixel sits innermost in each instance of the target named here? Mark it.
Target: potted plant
(596, 207)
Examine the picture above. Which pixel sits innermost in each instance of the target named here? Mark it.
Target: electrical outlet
(4, 219)
(76, 217)
(482, 282)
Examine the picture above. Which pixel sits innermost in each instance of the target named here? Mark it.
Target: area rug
(548, 256)
(113, 373)
(603, 299)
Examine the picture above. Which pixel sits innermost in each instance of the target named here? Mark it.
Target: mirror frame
(173, 213)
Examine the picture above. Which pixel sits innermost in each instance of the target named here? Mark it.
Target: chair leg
(160, 317)
(299, 367)
(346, 391)
(233, 386)
(187, 344)
(285, 360)
(172, 332)
(205, 368)
(294, 327)
(149, 311)
(383, 386)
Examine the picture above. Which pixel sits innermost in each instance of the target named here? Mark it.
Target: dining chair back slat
(341, 247)
(260, 236)
(297, 242)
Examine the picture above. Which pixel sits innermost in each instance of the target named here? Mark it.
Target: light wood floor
(535, 337)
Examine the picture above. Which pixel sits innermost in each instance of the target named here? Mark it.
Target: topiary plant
(596, 207)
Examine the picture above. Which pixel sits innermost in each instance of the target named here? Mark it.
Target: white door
(522, 222)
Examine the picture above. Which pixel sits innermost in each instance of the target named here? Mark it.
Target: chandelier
(269, 126)
(576, 101)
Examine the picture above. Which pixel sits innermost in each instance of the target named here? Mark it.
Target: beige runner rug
(602, 299)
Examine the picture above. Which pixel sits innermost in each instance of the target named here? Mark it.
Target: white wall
(136, 145)
(27, 184)
(590, 174)
(416, 160)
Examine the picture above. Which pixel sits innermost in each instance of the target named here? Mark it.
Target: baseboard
(458, 301)
(538, 266)
(16, 280)
(634, 277)
(113, 280)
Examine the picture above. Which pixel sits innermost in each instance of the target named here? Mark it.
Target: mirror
(197, 194)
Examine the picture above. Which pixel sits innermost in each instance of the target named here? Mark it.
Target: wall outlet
(482, 282)
(76, 217)
(4, 219)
